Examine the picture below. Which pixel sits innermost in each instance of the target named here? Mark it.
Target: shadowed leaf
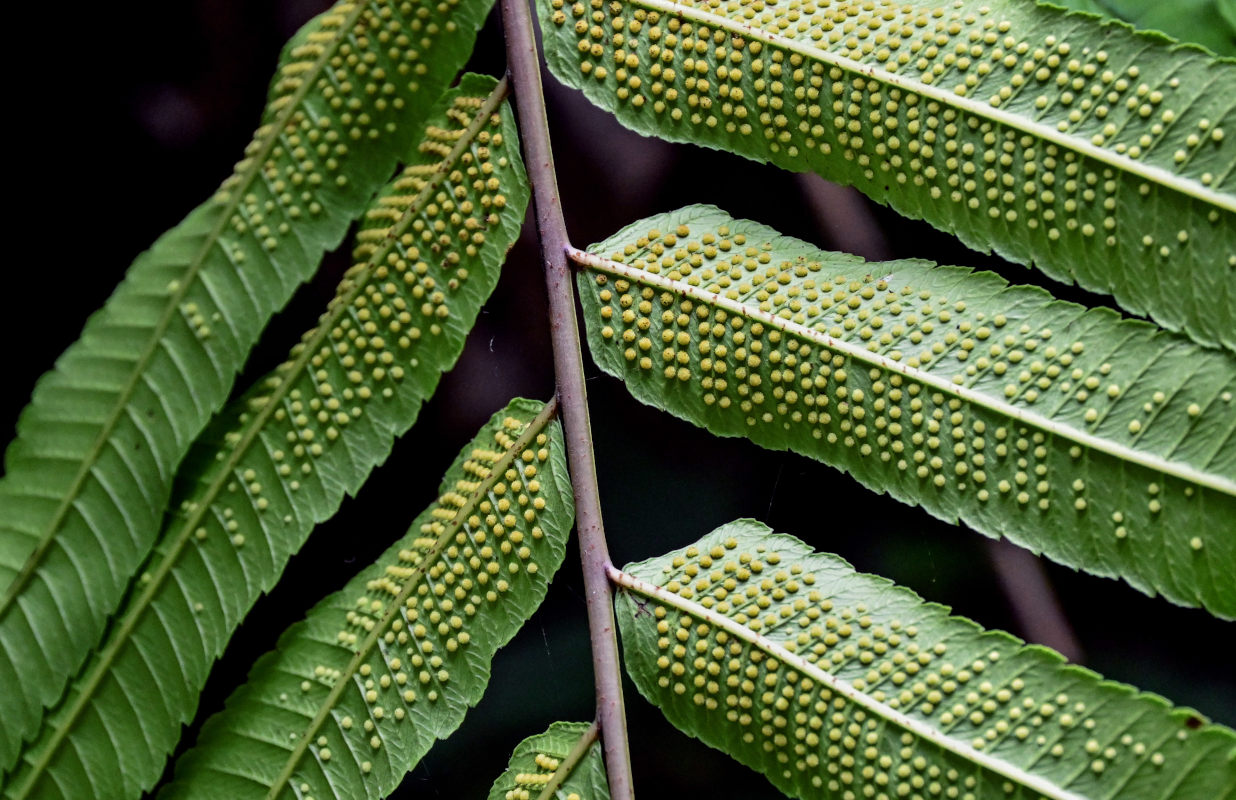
(281, 458)
(1198, 21)
(88, 477)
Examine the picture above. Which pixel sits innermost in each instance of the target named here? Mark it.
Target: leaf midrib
(1149, 172)
(570, 761)
(171, 556)
(186, 282)
(535, 426)
(1184, 472)
(842, 687)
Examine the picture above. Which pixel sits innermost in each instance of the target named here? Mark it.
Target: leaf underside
(88, 477)
(357, 693)
(836, 684)
(554, 757)
(1099, 155)
(288, 451)
(1106, 444)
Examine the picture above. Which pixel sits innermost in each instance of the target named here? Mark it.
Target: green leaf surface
(836, 684)
(88, 477)
(564, 763)
(357, 693)
(1099, 155)
(1106, 444)
(1197, 21)
(1227, 9)
(428, 255)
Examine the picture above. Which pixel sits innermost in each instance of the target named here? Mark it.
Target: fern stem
(523, 66)
(1035, 605)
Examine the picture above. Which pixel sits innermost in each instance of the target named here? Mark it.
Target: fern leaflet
(356, 693)
(836, 684)
(428, 255)
(1106, 444)
(90, 472)
(563, 763)
(1099, 155)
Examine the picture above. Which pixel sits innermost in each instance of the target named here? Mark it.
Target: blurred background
(153, 103)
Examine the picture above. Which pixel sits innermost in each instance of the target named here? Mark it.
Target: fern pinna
(89, 475)
(1099, 155)
(1106, 444)
(285, 454)
(147, 505)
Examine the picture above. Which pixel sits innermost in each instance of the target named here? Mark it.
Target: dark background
(149, 105)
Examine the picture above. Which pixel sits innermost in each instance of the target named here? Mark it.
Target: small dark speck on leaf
(641, 608)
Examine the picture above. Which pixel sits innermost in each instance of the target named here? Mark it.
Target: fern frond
(835, 684)
(1106, 444)
(357, 693)
(89, 474)
(428, 255)
(1099, 155)
(563, 763)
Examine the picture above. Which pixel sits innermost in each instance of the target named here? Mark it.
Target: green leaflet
(563, 763)
(1107, 445)
(289, 450)
(357, 693)
(89, 474)
(834, 684)
(1099, 155)
(1199, 21)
